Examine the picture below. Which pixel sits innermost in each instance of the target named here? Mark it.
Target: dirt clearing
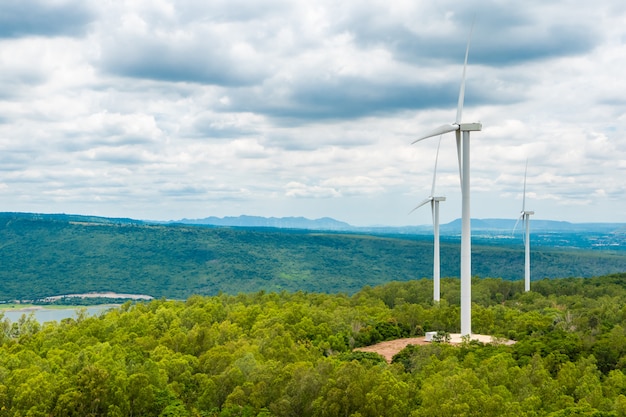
(389, 348)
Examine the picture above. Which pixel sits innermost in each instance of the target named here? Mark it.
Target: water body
(44, 315)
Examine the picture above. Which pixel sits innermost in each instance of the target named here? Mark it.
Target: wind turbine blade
(421, 204)
(524, 195)
(432, 190)
(459, 109)
(438, 131)
(458, 154)
(516, 223)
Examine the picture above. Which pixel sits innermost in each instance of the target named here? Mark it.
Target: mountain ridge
(323, 223)
(493, 225)
(328, 223)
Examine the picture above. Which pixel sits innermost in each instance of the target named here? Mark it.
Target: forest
(291, 354)
(48, 255)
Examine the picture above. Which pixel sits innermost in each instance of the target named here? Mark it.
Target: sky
(164, 110)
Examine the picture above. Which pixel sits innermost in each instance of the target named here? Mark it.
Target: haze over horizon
(186, 109)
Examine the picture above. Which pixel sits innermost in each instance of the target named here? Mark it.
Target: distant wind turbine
(434, 208)
(463, 152)
(525, 216)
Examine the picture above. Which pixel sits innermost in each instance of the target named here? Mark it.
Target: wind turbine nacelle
(470, 127)
(529, 212)
(439, 199)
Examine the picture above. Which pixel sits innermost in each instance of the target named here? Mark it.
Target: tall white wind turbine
(434, 208)
(525, 216)
(463, 150)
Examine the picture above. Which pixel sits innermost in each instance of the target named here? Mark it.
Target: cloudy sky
(162, 109)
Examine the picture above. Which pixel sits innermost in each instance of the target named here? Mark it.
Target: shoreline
(44, 315)
(31, 308)
(46, 302)
(103, 294)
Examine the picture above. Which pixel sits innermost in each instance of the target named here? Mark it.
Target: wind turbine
(462, 131)
(434, 208)
(525, 215)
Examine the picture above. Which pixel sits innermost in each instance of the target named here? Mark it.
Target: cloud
(299, 190)
(162, 109)
(225, 125)
(175, 46)
(342, 98)
(436, 34)
(183, 60)
(20, 18)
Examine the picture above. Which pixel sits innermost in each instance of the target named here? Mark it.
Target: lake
(43, 315)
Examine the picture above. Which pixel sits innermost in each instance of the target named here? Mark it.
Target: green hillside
(291, 355)
(52, 255)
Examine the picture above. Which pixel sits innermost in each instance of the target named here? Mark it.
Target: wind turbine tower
(434, 208)
(462, 131)
(525, 216)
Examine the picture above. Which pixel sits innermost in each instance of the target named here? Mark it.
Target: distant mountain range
(479, 226)
(454, 227)
(545, 233)
(325, 223)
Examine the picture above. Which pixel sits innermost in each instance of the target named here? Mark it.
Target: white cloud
(299, 190)
(162, 109)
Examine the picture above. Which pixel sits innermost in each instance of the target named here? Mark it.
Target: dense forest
(291, 354)
(47, 255)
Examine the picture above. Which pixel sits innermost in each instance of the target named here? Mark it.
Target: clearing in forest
(389, 348)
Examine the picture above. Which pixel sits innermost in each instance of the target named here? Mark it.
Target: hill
(47, 255)
(296, 354)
